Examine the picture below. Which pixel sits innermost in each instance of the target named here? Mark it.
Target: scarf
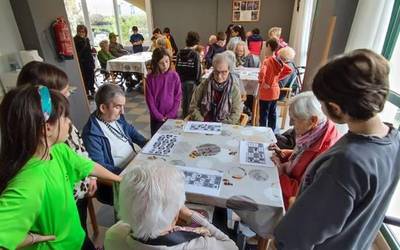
(219, 111)
(304, 142)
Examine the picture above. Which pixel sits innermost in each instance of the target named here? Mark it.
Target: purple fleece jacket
(163, 95)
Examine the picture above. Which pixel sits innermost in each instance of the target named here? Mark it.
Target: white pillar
(117, 22)
(87, 21)
(149, 15)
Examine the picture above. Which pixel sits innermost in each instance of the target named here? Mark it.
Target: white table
(249, 80)
(257, 200)
(130, 63)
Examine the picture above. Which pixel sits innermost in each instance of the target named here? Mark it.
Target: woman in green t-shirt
(38, 170)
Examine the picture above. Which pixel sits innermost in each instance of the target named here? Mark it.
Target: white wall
(10, 40)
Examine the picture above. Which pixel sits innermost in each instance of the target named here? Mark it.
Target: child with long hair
(38, 171)
(163, 90)
(40, 73)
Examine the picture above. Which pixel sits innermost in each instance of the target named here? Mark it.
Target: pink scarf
(304, 142)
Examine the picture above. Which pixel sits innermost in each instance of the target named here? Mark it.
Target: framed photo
(246, 10)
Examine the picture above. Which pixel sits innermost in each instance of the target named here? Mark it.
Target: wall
(34, 18)
(10, 38)
(344, 10)
(210, 16)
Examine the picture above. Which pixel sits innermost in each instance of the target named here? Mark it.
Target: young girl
(163, 90)
(38, 171)
(35, 73)
(237, 35)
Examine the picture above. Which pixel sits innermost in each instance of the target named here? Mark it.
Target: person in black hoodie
(188, 66)
(216, 48)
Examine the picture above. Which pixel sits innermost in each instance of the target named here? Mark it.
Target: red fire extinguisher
(64, 44)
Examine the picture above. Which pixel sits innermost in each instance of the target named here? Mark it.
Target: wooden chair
(244, 118)
(92, 215)
(284, 105)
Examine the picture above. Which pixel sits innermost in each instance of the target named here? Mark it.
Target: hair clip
(45, 101)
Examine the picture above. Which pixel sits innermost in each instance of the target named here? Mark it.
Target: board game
(253, 153)
(203, 127)
(161, 144)
(202, 181)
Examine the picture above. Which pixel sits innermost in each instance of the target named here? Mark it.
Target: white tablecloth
(130, 63)
(256, 197)
(249, 77)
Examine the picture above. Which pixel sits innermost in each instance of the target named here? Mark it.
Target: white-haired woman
(217, 98)
(152, 198)
(287, 55)
(314, 134)
(243, 58)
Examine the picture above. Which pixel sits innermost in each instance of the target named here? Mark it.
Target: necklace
(118, 132)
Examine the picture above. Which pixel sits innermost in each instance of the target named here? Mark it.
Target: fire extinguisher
(63, 39)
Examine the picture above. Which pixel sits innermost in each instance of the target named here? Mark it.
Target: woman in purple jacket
(163, 90)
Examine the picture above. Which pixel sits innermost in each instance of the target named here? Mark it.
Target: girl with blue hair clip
(38, 170)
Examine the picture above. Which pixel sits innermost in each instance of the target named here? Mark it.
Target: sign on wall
(245, 11)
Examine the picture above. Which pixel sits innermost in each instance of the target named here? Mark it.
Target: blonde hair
(244, 44)
(287, 54)
(275, 32)
(103, 43)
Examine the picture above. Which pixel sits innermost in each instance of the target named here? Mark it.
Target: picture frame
(246, 10)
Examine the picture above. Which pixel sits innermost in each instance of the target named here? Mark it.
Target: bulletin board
(246, 11)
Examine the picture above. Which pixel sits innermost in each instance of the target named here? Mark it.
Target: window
(102, 17)
(129, 16)
(75, 14)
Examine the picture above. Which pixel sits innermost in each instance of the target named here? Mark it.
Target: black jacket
(188, 65)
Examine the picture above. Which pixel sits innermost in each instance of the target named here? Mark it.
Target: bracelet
(93, 177)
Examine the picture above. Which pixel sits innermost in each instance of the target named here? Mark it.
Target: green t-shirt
(39, 199)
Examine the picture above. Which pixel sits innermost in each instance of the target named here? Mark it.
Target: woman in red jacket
(314, 135)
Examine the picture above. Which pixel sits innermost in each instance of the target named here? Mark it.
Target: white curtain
(370, 25)
(300, 30)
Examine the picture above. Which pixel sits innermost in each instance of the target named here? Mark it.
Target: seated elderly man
(217, 98)
(151, 201)
(314, 135)
(108, 137)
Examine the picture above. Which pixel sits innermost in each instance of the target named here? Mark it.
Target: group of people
(336, 189)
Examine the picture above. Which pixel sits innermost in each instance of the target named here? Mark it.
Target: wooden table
(249, 80)
(254, 193)
(130, 63)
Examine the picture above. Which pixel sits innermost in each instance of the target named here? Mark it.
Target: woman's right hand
(33, 238)
(186, 214)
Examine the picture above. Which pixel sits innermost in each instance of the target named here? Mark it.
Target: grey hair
(150, 197)
(305, 105)
(244, 44)
(106, 93)
(229, 57)
(103, 43)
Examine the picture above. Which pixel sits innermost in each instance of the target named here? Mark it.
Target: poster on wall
(246, 11)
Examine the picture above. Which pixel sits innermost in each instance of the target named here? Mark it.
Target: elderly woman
(86, 60)
(156, 190)
(314, 135)
(243, 58)
(217, 99)
(104, 54)
(108, 137)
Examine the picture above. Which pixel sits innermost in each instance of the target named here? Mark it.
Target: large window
(106, 16)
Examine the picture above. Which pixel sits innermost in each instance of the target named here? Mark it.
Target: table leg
(262, 243)
(255, 110)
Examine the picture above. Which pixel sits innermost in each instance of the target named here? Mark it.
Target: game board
(253, 153)
(161, 144)
(202, 181)
(203, 127)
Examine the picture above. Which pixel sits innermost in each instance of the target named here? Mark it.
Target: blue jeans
(268, 112)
